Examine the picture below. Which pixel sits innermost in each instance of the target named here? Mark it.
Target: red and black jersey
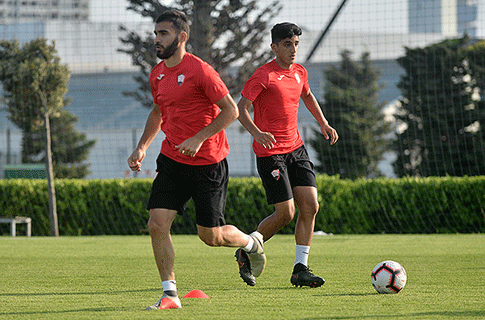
(275, 93)
(186, 95)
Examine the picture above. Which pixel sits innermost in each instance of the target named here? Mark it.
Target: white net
(428, 55)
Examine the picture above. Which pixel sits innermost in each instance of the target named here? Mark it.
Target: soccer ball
(388, 277)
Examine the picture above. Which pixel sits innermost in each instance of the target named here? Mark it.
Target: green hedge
(117, 206)
(407, 205)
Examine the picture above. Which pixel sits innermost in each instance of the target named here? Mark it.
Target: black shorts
(282, 172)
(176, 183)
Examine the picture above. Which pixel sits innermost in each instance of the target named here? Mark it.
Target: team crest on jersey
(180, 79)
(276, 174)
(297, 78)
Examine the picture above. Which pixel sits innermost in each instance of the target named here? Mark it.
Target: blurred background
(402, 81)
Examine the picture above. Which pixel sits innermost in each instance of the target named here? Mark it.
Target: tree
(224, 33)
(442, 115)
(34, 84)
(351, 107)
(69, 147)
(27, 92)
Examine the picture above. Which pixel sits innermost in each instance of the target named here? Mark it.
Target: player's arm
(228, 114)
(266, 139)
(152, 127)
(312, 105)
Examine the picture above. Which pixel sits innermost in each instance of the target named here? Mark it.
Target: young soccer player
(192, 107)
(285, 169)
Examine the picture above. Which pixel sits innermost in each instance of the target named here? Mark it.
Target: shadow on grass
(101, 309)
(31, 294)
(315, 291)
(414, 315)
(62, 312)
(345, 295)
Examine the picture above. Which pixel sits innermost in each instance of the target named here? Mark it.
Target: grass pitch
(116, 278)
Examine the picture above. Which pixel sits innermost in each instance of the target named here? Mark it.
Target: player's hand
(190, 147)
(134, 161)
(329, 133)
(266, 139)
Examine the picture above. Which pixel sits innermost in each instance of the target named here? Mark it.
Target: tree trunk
(202, 32)
(50, 179)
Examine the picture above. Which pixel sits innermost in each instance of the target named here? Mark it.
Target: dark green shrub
(117, 206)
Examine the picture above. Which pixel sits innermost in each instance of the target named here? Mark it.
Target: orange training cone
(166, 303)
(196, 294)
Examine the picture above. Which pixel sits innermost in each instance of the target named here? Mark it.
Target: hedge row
(117, 206)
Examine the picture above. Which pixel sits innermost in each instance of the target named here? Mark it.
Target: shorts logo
(180, 79)
(276, 174)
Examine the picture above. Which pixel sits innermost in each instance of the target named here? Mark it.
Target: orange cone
(196, 294)
(166, 303)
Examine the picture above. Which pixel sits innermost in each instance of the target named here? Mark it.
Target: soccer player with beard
(286, 171)
(192, 107)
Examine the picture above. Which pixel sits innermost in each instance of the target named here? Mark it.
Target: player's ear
(273, 47)
(183, 36)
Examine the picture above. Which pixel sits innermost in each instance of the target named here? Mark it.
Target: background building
(18, 11)
(446, 17)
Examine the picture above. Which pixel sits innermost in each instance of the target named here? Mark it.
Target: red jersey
(275, 93)
(186, 95)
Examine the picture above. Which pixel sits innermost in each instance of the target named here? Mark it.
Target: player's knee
(156, 227)
(314, 207)
(285, 216)
(309, 208)
(153, 227)
(284, 212)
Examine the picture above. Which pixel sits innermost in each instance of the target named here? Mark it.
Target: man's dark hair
(177, 18)
(284, 30)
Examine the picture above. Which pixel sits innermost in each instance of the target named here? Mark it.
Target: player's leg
(230, 236)
(283, 214)
(223, 236)
(278, 191)
(305, 193)
(276, 182)
(306, 200)
(159, 225)
(168, 197)
(210, 193)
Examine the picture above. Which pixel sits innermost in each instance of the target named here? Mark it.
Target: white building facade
(19, 11)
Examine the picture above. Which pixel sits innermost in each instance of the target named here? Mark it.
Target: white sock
(169, 285)
(250, 244)
(301, 254)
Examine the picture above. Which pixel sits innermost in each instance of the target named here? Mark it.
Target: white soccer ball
(388, 277)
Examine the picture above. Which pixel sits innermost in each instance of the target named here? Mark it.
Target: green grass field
(116, 278)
